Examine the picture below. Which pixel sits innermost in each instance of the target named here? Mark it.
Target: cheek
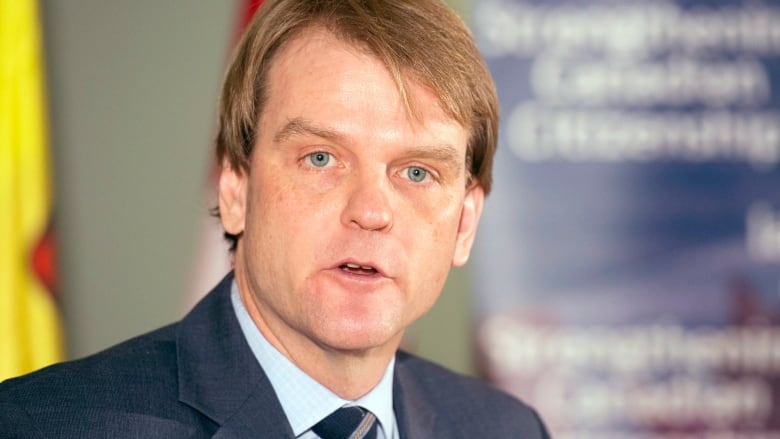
(432, 239)
(442, 217)
(278, 200)
(291, 219)
(270, 213)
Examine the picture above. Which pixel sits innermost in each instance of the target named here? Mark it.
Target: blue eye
(416, 174)
(319, 159)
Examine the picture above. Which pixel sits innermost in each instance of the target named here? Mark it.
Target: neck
(350, 374)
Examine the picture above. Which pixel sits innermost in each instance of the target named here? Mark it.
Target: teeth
(356, 266)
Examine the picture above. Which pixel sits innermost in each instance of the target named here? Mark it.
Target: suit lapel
(220, 376)
(414, 412)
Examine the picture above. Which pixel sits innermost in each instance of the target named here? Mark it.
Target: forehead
(315, 55)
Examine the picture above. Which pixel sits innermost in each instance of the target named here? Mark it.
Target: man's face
(353, 212)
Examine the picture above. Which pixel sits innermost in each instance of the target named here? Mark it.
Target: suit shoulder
(491, 412)
(137, 376)
(135, 358)
(452, 386)
(128, 358)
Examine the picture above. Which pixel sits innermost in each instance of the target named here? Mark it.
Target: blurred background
(132, 92)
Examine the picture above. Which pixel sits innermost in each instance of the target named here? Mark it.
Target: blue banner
(627, 265)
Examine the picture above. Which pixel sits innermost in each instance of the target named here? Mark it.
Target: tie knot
(347, 423)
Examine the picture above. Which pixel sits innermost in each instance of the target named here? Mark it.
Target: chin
(358, 337)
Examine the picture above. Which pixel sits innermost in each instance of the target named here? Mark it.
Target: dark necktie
(347, 423)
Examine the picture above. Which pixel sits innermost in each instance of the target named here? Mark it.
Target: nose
(368, 204)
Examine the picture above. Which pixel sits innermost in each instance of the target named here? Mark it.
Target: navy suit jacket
(198, 378)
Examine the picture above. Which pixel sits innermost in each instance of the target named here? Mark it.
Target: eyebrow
(300, 127)
(445, 154)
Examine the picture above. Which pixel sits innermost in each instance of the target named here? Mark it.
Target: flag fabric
(213, 259)
(30, 333)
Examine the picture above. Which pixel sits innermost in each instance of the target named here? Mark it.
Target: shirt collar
(305, 401)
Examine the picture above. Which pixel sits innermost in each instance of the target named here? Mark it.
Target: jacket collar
(220, 377)
(414, 412)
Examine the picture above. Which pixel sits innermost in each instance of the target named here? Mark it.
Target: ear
(232, 198)
(467, 228)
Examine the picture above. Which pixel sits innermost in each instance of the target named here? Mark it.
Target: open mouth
(358, 269)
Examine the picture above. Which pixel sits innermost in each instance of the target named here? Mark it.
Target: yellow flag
(30, 335)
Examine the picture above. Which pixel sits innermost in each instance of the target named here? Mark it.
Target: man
(356, 140)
